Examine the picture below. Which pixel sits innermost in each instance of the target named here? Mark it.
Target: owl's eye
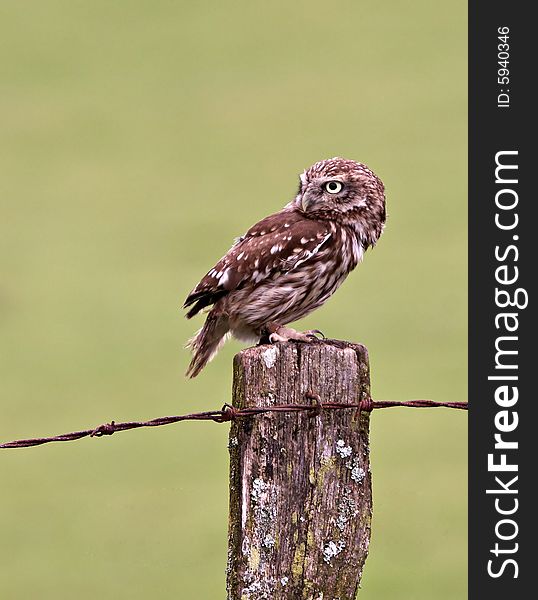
(333, 187)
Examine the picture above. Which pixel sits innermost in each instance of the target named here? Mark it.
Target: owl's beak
(307, 201)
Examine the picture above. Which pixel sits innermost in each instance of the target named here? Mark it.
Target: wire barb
(230, 413)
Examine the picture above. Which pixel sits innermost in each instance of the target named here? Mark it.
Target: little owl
(291, 262)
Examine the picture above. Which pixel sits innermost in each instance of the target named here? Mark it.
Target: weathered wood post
(300, 486)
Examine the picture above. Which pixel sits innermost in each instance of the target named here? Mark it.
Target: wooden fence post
(300, 485)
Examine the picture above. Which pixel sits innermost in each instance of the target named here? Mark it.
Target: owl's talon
(274, 338)
(313, 333)
(279, 333)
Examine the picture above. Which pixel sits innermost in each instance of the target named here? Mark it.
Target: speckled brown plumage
(291, 262)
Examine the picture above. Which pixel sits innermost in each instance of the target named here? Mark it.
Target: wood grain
(300, 484)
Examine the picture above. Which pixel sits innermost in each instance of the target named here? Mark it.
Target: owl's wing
(277, 244)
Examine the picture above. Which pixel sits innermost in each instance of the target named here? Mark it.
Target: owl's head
(345, 191)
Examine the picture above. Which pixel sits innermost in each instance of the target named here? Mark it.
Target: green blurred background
(137, 140)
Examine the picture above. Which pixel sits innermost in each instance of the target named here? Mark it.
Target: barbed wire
(230, 413)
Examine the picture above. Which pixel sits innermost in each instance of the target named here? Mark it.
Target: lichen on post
(300, 484)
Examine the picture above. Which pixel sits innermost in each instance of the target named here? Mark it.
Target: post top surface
(326, 343)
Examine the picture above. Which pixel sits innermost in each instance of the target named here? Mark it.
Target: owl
(291, 262)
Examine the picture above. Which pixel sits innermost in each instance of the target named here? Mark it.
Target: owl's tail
(207, 342)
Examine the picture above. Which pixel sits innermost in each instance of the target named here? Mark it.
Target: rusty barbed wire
(230, 413)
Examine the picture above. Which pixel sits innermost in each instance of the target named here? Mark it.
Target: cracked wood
(300, 484)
